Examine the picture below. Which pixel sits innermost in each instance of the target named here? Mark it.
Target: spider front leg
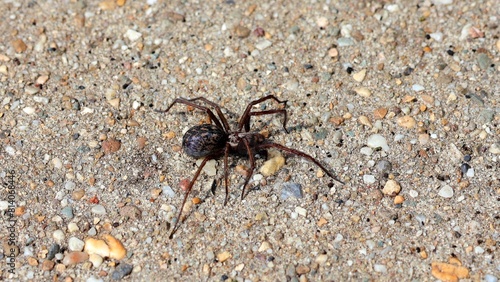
(267, 112)
(217, 109)
(300, 154)
(194, 105)
(245, 118)
(188, 190)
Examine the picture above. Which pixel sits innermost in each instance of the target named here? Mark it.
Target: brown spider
(210, 141)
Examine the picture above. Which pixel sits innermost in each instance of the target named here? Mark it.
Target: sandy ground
(400, 99)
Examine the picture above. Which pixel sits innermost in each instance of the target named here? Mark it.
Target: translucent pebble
(377, 141)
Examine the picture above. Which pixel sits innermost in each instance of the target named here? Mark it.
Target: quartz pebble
(75, 244)
(446, 191)
(291, 190)
(359, 76)
(377, 141)
(99, 209)
(263, 44)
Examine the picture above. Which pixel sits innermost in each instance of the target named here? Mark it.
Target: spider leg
(252, 166)
(267, 112)
(217, 109)
(300, 154)
(226, 172)
(188, 190)
(209, 112)
(245, 118)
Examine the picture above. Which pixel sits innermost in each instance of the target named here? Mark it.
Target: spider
(211, 141)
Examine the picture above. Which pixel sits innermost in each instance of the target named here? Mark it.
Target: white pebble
(377, 141)
(490, 278)
(301, 211)
(72, 227)
(29, 110)
(470, 172)
(413, 193)
(478, 250)
(132, 35)
(398, 137)
(417, 87)
(438, 36)
(263, 44)
(442, 2)
(368, 179)
(136, 105)
(92, 278)
(380, 268)
(58, 235)
(338, 238)
(392, 8)
(367, 151)
(4, 205)
(75, 244)
(446, 191)
(168, 191)
(10, 150)
(98, 209)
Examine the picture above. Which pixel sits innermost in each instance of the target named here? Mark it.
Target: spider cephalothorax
(210, 141)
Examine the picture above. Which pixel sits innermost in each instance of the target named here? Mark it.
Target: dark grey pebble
(464, 168)
(467, 158)
(291, 190)
(54, 249)
(384, 167)
(121, 271)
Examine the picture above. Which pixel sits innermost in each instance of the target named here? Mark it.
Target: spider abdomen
(203, 140)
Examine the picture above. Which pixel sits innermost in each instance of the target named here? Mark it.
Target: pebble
(72, 227)
(132, 35)
(264, 246)
(111, 146)
(96, 246)
(275, 163)
(367, 151)
(377, 141)
(29, 110)
(67, 212)
(438, 36)
(490, 278)
(417, 87)
(413, 193)
(75, 244)
(168, 191)
(53, 250)
(363, 91)
(4, 205)
(345, 42)
(384, 167)
(380, 268)
(406, 122)
(96, 260)
(380, 113)
(391, 188)
(446, 191)
(301, 211)
(242, 31)
(333, 52)
(58, 235)
(75, 258)
(99, 209)
(19, 45)
(131, 211)
(48, 265)
(31, 90)
(495, 148)
(369, 179)
(122, 270)
(291, 189)
(93, 279)
(222, 257)
(359, 76)
(484, 61)
(365, 121)
(263, 44)
(116, 249)
(470, 173)
(322, 22)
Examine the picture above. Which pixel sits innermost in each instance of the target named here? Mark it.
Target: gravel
(402, 96)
